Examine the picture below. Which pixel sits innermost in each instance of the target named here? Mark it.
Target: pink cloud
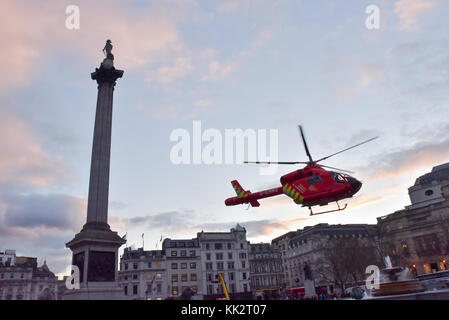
(408, 161)
(23, 160)
(410, 11)
(30, 30)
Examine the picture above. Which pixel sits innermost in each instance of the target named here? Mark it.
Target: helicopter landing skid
(336, 210)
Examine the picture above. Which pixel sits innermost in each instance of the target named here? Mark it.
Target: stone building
(22, 279)
(143, 274)
(183, 261)
(316, 246)
(417, 236)
(266, 272)
(225, 253)
(282, 243)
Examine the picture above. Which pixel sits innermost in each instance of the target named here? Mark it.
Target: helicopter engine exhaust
(292, 177)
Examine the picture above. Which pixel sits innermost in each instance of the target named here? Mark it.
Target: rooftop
(438, 173)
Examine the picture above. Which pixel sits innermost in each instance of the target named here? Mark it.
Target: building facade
(417, 237)
(143, 274)
(183, 260)
(321, 246)
(266, 273)
(282, 243)
(225, 253)
(22, 279)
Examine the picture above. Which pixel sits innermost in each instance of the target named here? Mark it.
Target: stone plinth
(309, 289)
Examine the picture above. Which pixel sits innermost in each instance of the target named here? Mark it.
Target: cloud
(166, 74)
(31, 30)
(39, 225)
(217, 70)
(185, 221)
(168, 220)
(54, 211)
(23, 160)
(202, 103)
(408, 160)
(410, 12)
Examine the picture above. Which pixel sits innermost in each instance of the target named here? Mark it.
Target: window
(207, 246)
(241, 246)
(192, 265)
(126, 266)
(209, 277)
(184, 265)
(126, 290)
(231, 275)
(243, 264)
(231, 265)
(337, 177)
(230, 255)
(183, 253)
(220, 266)
(245, 287)
(207, 256)
(174, 266)
(174, 278)
(158, 276)
(314, 180)
(174, 253)
(429, 193)
(193, 277)
(135, 266)
(242, 255)
(135, 288)
(244, 275)
(232, 287)
(192, 253)
(159, 288)
(208, 265)
(184, 277)
(219, 256)
(218, 246)
(174, 291)
(134, 276)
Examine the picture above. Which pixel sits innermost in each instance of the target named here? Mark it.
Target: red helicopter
(309, 186)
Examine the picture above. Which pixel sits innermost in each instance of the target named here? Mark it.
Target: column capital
(105, 75)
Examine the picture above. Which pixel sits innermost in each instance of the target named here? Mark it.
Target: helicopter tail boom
(245, 196)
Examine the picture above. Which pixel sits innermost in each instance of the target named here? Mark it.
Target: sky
(247, 64)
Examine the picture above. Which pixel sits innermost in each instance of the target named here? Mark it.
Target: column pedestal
(309, 289)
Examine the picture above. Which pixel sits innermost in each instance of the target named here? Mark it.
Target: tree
(344, 260)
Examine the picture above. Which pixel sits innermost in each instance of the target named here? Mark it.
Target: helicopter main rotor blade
(269, 162)
(337, 169)
(359, 144)
(305, 143)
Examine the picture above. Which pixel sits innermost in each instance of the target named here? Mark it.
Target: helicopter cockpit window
(314, 180)
(338, 178)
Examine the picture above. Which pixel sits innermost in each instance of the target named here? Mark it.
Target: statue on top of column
(108, 62)
(107, 50)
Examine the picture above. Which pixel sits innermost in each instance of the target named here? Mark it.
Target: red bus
(299, 292)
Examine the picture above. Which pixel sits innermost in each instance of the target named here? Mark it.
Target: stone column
(97, 208)
(95, 247)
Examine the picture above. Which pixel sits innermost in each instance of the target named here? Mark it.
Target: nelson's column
(95, 247)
